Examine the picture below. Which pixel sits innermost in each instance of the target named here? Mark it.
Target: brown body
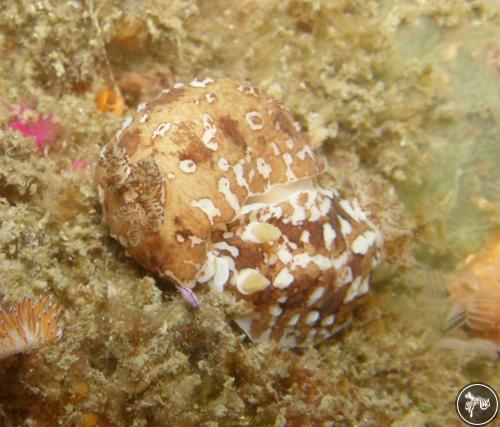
(216, 182)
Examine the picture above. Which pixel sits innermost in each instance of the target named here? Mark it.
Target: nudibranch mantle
(215, 182)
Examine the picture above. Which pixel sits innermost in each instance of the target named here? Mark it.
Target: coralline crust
(215, 182)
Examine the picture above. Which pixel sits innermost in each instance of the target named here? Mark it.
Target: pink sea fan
(44, 129)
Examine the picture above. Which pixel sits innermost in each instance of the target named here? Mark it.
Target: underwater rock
(215, 182)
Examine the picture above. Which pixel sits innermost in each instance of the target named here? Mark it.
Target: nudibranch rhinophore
(215, 182)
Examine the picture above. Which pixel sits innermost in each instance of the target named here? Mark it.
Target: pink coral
(43, 129)
(80, 164)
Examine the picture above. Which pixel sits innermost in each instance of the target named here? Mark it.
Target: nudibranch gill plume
(216, 183)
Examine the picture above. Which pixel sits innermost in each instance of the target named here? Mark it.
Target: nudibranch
(216, 183)
(475, 288)
(28, 325)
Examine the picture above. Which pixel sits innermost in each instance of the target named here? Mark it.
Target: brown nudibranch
(215, 182)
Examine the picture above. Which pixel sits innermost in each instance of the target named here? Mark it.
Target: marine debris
(215, 182)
